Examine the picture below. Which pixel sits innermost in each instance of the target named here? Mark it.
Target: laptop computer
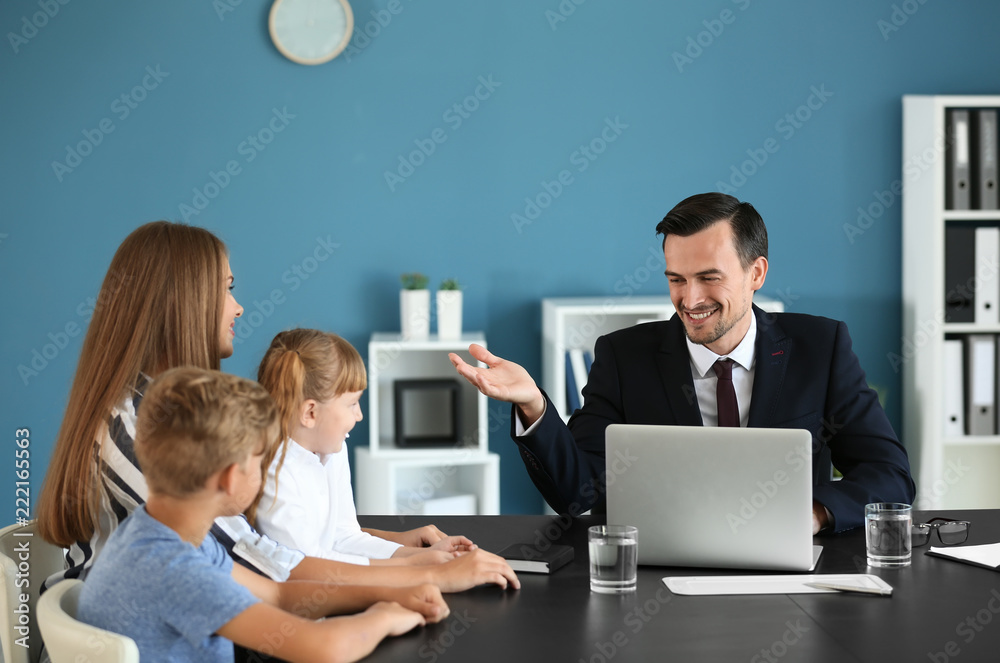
(738, 498)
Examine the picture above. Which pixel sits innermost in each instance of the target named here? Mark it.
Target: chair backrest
(68, 640)
(26, 560)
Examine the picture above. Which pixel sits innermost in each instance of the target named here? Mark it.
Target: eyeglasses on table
(950, 532)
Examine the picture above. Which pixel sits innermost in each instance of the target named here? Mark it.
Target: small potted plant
(414, 306)
(449, 309)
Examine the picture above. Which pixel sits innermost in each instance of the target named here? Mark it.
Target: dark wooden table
(940, 610)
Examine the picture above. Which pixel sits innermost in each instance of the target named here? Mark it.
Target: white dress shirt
(744, 358)
(312, 509)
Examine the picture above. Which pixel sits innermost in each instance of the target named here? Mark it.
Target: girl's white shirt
(311, 508)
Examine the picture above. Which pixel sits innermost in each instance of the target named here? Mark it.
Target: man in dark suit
(718, 361)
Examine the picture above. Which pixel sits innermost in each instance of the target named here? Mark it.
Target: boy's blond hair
(195, 422)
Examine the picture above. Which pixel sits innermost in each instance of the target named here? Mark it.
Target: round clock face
(311, 31)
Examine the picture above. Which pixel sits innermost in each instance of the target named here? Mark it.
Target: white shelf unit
(388, 485)
(950, 472)
(393, 480)
(577, 322)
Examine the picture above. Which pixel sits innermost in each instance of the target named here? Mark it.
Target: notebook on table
(738, 498)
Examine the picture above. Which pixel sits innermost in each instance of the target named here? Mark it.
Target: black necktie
(729, 410)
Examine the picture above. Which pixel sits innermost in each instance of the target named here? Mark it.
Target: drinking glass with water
(613, 558)
(887, 534)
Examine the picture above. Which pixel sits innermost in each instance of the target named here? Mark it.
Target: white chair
(26, 560)
(68, 640)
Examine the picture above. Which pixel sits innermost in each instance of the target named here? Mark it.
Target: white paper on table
(777, 584)
(986, 554)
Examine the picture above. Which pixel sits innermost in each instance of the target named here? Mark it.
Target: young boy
(164, 581)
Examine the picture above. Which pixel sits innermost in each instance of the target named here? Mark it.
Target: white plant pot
(415, 313)
(449, 314)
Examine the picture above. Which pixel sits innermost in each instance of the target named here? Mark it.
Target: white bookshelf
(389, 485)
(577, 322)
(394, 480)
(950, 471)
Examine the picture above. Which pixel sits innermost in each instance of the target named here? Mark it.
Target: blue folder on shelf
(572, 393)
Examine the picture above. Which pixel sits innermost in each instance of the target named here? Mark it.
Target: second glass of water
(613, 558)
(887, 534)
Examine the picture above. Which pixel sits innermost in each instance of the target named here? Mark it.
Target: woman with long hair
(166, 302)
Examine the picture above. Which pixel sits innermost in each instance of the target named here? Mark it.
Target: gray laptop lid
(702, 496)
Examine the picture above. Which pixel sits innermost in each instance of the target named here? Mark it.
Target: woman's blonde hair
(304, 364)
(160, 306)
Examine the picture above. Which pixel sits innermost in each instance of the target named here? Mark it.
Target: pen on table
(851, 588)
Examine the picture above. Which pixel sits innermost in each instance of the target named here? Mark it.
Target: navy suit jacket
(806, 376)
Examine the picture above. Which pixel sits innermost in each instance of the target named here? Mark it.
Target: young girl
(316, 379)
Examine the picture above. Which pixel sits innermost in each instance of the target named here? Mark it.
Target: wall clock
(311, 31)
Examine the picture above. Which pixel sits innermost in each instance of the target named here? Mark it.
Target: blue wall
(556, 80)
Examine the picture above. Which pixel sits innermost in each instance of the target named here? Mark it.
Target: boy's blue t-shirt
(164, 593)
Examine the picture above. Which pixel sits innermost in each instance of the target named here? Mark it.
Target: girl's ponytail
(304, 364)
(283, 374)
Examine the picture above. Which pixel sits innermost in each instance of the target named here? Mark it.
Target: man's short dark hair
(702, 210)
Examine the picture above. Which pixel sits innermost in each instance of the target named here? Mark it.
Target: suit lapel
(774, 351)
(675, 372)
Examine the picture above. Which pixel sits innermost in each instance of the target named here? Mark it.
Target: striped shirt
(123, 488)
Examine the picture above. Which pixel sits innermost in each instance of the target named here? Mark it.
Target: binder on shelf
(954, 388)
(572, 393)
(579, 371)
(987, 280)
(981, 369)
(588, 360)
(985, 163)
(957, 161)
(959, 273)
